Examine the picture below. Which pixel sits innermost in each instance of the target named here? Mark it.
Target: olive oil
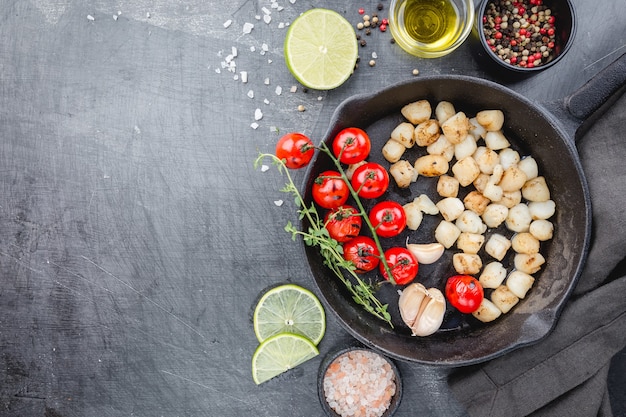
(431, 22)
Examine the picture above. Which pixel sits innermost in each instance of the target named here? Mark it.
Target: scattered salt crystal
(247, 27)
(320, 98)
(269, 61)
(148, 15)
(262, 53)
(280, 8)
(90, 17)
(264, 168)
(265, 47)
(235, 77)
(281, 25)
(266, 101)
(252, 48)
(293, 88)
(257, 17)
(244, 76)
(267, 18)
(258, 114)
(273, 129)
(115, 17)
(217, 70)
(374, 55)
(228, 23)
(292, 1)
(279, 90)
(278, 202)
(265, 10)
(250, 93)
(254, 125)
(119, 12)
(233, 51)
(266, 81)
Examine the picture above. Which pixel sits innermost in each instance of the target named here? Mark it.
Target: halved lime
(279, 354)
(292, 309)
(321, 49)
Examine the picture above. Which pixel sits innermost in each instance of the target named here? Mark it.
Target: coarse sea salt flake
(257, 17)
(254, 125)
(281, 25)
(267, 18)
(266, 101)
(244, 76)
(292, 1)
(228, 23)
(273, 129)
(280, 8)
(217, 70)
(278, 202)
(247, 27)
(265, 47)
(90, 17)
(293, 88)
(251, 94)
(265, 10)
(258, 114)
(252, 48)
(279, 90)
(264, 168)
(266, 81)
(234, 51)
(374, 55)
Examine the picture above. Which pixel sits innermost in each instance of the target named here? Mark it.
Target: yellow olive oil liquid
(432, 22)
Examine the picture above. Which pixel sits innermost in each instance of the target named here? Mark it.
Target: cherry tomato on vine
(402, 264)
(343, 223)
(296, 149)
(351, 145)
(464, 292)
(370, 180)
(329, 190)
(388, 218)
(362, 251)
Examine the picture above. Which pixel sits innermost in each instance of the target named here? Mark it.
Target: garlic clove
(427, 253)
(432, 317)
(422, 309)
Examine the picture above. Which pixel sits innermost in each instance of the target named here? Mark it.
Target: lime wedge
(289, 308)
(321, 49)
(279, 354)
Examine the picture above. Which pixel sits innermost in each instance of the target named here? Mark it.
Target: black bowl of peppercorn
(523, 36)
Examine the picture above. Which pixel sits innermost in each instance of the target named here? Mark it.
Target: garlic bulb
(422, 309)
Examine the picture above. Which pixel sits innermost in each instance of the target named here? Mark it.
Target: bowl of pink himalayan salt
(357, 381)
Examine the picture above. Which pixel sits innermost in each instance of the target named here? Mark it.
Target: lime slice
(321, 49)
(289, 308)
(279, 354)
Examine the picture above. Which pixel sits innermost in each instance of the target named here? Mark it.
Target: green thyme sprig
(331, 251)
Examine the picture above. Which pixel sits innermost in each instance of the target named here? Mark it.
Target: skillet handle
(600, 90)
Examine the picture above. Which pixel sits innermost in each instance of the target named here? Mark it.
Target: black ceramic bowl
(355, 346)
(565, 25)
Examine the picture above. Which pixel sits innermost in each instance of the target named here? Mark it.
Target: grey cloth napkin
(566, 373)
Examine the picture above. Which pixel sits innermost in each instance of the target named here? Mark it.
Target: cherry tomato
(362, 251)
(388, 218)
(464, 292)
(343, 223)
(370, 180)
(329, 190)
(351, 145)
(402, 264)
(296, 149)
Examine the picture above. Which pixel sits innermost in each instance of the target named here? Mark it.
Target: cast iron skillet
(531, 129)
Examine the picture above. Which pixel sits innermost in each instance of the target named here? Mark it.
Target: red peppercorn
(551, 32)
(543, 31)
(550, 45)
(531, 59)
(523, 32)
(537, 55)
(513, 42)
(513, 60)
(383, 27)
(498, 35)
(498, 19)
(530, 65)
(361, 11)
(551, 20)
(521, 11)
(385, 21)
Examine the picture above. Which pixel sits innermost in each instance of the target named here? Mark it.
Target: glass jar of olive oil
(430, 28)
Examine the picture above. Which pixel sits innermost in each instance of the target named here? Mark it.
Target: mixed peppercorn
(521, 33)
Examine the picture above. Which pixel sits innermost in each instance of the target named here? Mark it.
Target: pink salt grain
(359, 383)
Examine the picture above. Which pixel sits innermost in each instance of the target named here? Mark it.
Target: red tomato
(388, 218)
(370, 180)
(402, 264)
(296, 149)
(343, 223)
(464, 292)
(351, 145)
(362, 251)
(329, 190)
